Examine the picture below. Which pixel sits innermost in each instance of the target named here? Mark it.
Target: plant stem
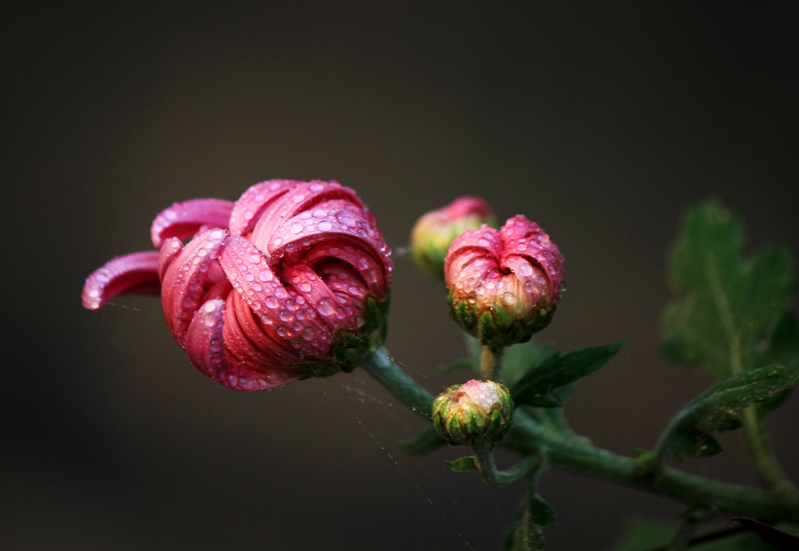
(768, 469)
(490, 363)
(484, 459)
(381, 366)
(574, 454)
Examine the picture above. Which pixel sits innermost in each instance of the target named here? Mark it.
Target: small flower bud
(503, 285)
(473, 413)
(435, 231)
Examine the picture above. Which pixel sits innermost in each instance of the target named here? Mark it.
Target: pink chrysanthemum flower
(290, 281)
(435, 231)
(503, 285)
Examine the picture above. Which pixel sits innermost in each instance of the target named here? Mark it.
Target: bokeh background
(601, 122)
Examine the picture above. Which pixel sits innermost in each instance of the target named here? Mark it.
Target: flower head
(290, 281)
(504, 285)
(473, 413)
(435, 231)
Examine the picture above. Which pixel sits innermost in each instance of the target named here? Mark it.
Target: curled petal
(248, 209)
(205, 346)
(525, 238)
(251, 276)
(133, 273)
(303, 197)
(320, 297)
(186, 278)
(185, 219)
(169, 252)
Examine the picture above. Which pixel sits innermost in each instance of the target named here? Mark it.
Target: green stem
(484, 459)
(381, 366)
(768, 469)
(575, 454)
(490, 363)
(578, 456)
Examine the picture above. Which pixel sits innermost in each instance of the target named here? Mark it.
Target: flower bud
(435, 231)
(290, 281)
(473, 413)
(504, 285)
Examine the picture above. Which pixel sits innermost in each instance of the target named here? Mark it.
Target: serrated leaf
(689, 432)
(725, 306)
(425, 442)
(462, 464)
(537, 387)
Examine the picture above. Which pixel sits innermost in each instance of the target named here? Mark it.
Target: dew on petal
(325, 307)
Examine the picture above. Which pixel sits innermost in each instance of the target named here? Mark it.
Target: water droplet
(305, 287)
(296, 227)
(509, 298)
(325, 307)
(272, 303)
(526, 270)
(325, 226)
(265, 275)
(277, 242)
(483, 242)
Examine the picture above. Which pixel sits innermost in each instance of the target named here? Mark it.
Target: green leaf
(462, 464)
(519, 359)
(781, 348)
(689, 432)
(724, 306)
(525, 531)
(537, 386)
(425, 442)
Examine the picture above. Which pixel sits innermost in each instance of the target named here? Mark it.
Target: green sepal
(462, 464)
(537, 387)
(426, 441)
(688, 433)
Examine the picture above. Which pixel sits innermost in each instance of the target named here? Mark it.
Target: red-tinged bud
(473, 413)
(504, 285)
(435, 231)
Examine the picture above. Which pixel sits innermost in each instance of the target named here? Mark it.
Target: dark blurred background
(600, 122)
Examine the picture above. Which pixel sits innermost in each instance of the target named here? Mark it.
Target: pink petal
(241, 347)
(248, 331)
(206, 350)
(303, 197)
(185, 219)
(251, 276)
(169, 252)
(249, 207)
(133, 273)
(525, 238)
(320, 297)
(374, 273)
(186, 278)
